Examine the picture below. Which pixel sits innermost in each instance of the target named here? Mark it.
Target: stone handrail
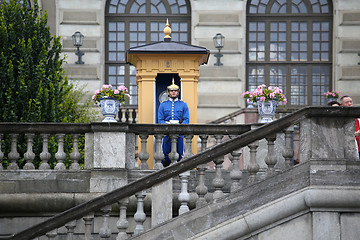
(62, 129)
(180, 167)
(231, 118)
(51, 128)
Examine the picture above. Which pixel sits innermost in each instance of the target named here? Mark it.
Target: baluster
(105, 231)
(140, 215)
(158, 155)
(52, 234)
(133, 115)
(201, 189)
(296, 143)
(120, 114)
(60, 155)
(235, 173)
(88, 219)
(127, 114)
(271, 160)
(218, 182)
(75, 154)
(188, 152)
(1, 153)
(29, 156)
(184, 196)
(173, 155)
(143, 155)
(13, 155)
(70, 226)
(122, 224)
(288, 152)
(253, 167)
(45, 155)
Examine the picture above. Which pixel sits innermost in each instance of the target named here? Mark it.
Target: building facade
(306, 47)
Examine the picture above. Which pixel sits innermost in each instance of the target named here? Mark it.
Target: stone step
(274, 205)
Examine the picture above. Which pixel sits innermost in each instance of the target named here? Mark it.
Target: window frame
(309, 18)
(147, 17)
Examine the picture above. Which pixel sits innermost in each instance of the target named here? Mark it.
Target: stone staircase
(316, 199)
(296, 204)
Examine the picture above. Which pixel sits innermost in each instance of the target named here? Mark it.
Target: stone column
(145, 79)
(189, 82)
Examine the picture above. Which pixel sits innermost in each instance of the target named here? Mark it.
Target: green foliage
(33, 85)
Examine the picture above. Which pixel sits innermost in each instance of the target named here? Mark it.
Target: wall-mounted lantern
(219, 40)
(78, 39)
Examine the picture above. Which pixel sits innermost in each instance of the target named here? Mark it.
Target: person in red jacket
(357, 133)
(346, 101)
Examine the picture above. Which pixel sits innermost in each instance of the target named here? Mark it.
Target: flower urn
(266, 110)
(109, 109)
(332, 99)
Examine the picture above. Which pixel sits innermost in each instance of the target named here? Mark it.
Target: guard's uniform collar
(174, 100)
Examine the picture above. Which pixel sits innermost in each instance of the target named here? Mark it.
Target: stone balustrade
(128, 115)
(253, 152)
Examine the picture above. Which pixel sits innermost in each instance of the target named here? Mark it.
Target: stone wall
(219, 88)
(346, 47)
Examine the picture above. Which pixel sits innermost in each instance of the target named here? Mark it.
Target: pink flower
(263, 93)
(110, 91)
(332, 93)
(123, 88)
(258, 92)
(245, 93)
(105, 87)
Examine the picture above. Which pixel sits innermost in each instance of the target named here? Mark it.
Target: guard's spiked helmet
(173, 86)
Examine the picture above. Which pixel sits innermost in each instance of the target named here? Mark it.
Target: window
(289, 46)
(130, 23)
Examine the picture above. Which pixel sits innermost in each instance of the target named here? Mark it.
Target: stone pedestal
(110, 150)
(109, 154)
(329, 138)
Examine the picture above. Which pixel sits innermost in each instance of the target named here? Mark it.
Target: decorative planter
(267, 110)
(332, 100)
(109, 109)
(250, 104)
